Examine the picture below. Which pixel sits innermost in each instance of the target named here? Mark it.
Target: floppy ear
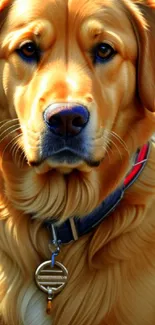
(4, 6)
(142, 16)
(4, 9)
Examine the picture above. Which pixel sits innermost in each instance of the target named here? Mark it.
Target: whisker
(23, 159)
(108, 147)
(16, 137)
(108, 143)
(115, 135)
(107, 152)
(5, 122)
(114, 144)
(8, 120)
(14, 149)
(19, 160)
(105, 145)
(7, 135)
(9, 128)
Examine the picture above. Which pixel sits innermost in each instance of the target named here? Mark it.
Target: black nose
(66, 120)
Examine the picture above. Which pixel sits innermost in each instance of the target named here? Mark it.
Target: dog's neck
(76, 227)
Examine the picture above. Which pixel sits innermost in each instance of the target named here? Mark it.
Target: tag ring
(50, 278)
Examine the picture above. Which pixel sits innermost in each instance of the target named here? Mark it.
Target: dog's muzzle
(66, 139)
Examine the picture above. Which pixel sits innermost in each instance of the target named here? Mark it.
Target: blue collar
(74, 228)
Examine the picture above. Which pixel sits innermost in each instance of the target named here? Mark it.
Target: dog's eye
(29, 52)
(103, 52)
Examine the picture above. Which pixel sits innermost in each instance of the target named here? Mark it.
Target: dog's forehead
(88, 7)
(38, 6)
(59, 11)
(28, 10)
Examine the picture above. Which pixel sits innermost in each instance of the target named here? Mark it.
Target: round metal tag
(51, 279)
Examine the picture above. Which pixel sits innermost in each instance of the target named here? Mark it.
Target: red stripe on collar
(139, 164)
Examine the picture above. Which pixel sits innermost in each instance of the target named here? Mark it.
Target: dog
(77, 162)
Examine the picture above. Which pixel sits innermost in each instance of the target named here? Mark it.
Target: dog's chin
(63, 168)
(65, 165)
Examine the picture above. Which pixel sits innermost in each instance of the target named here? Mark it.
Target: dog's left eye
(103, 52)
(29, 52)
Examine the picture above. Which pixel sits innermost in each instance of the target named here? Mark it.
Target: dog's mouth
(65, 161)
(71, 157)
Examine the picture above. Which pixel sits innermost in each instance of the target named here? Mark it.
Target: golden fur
(111, 270)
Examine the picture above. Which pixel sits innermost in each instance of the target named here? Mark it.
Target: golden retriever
(77, 102)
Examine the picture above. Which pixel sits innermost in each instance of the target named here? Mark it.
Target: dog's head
(78, 83)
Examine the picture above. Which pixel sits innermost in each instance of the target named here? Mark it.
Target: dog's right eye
(29, 52)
